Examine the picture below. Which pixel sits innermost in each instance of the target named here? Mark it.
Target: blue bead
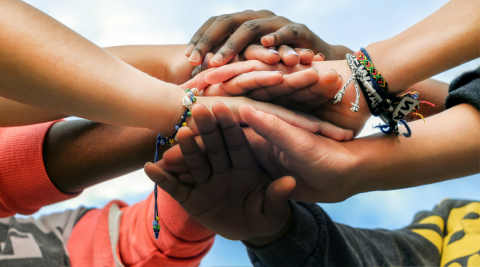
(176, 127)
(162, 142)
(155, 223)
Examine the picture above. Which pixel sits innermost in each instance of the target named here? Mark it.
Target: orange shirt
(113, 236)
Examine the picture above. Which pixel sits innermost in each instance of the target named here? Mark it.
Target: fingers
(246, 82)
(289, 56)
(276, 206)
(195, 159)
(264, 54)
(197, 81)
(208, 36)
(218, 29)
(167, 182)
(229, 71)
(291, 83)
(237, 144)
(292, 140)
(196, 37)
(285, 115)
(293, 33)
(334, 132)
(212, 138)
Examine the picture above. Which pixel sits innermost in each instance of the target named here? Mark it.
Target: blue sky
(347, 22)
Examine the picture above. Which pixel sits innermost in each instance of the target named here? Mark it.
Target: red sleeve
(182, 240)
(24, 183)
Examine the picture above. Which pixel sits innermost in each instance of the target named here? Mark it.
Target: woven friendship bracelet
(364, 58)
(187, 102)
(391, 109)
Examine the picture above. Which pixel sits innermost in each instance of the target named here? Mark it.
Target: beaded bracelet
(187, 102)
(391, 109)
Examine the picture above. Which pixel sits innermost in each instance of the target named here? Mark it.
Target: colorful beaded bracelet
(187, 102)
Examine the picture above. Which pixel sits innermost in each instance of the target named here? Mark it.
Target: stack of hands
(244, 157)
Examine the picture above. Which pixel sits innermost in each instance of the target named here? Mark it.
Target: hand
(249, 26)
(270, 55)
(323, 168)
(296, 119)
(226, 190)
(301, 89)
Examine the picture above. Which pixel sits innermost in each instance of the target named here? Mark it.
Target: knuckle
(265, 12)
(251, 26)
(206, 40)
(232, 44)
(282, 18)
(293, 29)
(225, 18)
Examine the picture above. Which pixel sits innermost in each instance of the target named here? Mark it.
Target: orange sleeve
(24, 183)
(182, 240)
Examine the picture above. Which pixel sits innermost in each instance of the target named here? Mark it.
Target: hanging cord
(187, 102)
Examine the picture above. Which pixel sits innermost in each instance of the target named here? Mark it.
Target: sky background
(119, 22)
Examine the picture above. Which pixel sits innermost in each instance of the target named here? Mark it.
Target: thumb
(276, 206)
(291, 140)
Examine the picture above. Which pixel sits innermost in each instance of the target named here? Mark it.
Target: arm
(164, 62)
(64, 159)
(315, 240)
(56, 69)
(445, 39)
(446, 149)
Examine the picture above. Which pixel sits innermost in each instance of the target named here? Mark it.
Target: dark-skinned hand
(226, 190)
(227, 35)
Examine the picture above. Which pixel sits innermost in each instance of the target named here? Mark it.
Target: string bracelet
(391, 109)
(364, 58)
(187, 102)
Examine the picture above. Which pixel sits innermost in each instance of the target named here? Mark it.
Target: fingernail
(204, 63)
(308, 50)
(270, 39)
(189, 49)
(218, 58)
(314, 69)
(322, 55)
(195, 57)
(273, 51)
(292, 52)
(278, 71)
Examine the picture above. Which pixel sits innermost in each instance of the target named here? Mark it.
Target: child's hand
(301, 88)
(227, 191)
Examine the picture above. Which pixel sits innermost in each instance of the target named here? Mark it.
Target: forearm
(78, 154)
(445, 39)
(165, 62)
(445, 147)
(13, 113)
(432, 91)
(49, 66)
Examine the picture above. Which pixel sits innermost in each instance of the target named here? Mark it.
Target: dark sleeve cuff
(465, 89)
(295, 248)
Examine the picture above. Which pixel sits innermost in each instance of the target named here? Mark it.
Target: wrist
(260, 241)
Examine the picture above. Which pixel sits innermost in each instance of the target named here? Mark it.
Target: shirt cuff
(295, 247)
(24, 184)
